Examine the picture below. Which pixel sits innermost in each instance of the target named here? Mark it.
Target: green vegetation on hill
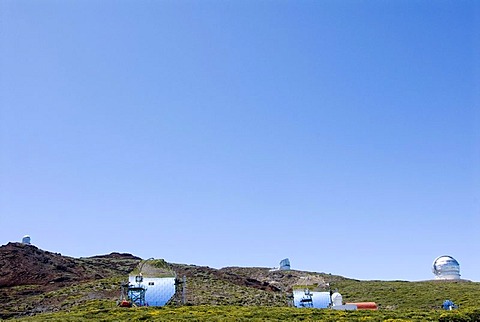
(105, 311)
(58, 288)
(212, 297)
(425, 295)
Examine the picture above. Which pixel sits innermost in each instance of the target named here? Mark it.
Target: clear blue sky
(344, 135)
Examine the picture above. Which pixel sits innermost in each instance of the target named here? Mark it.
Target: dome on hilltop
(446, 268)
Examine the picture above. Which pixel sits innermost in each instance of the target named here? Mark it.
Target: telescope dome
(26, 239)
(446, 268)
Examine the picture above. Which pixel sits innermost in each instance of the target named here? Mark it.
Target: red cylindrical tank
(125, 303)
(365, 305)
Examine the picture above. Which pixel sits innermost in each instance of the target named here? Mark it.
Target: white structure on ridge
(446, 268)
(285, 264)
(26, 240)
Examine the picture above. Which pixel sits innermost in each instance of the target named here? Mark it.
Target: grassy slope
(406, 295)
(216, 297)
(105, 311)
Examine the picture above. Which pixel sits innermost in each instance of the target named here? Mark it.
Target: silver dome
(446, 267)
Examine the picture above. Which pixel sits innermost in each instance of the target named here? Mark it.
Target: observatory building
(152, 283)
(26, 240)
(285, 264)
(311, 299)
(446, 268)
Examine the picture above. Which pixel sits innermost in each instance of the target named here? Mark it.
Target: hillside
(22, 264)
(34, 281)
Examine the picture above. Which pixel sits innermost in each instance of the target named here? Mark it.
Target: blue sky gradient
(341, 134)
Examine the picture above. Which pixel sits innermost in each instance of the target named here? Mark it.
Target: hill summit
(24, 264)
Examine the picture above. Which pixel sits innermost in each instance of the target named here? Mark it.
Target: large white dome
(446, 268)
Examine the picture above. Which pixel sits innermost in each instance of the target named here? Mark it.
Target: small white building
(285, 264)
(337, 303)
(26, 240)
(337, 299)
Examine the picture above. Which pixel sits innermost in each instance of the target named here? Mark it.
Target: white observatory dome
(26, 239)
(446, 268)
